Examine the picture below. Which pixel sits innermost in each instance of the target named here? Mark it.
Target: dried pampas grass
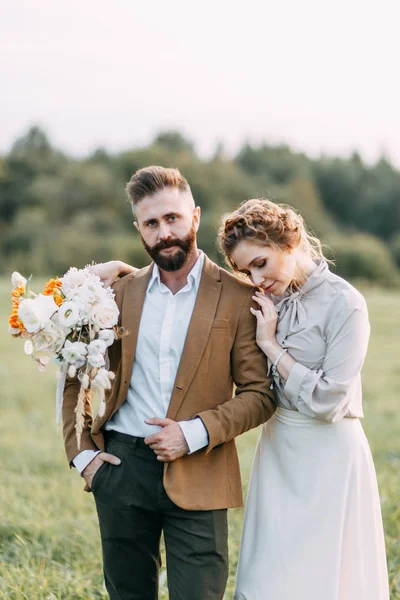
(83, 397)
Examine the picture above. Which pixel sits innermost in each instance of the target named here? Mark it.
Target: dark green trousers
(133, 510)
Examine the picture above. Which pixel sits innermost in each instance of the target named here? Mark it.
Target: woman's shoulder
(344, 295)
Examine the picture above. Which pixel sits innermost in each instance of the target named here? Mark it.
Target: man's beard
(180, 257)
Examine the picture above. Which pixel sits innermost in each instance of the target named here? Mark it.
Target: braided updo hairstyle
(275, 225)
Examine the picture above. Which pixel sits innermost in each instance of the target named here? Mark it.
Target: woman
(313, 526)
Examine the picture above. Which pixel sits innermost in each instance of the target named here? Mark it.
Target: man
(171, 464)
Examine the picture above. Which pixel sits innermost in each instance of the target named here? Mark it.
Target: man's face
(168, 222)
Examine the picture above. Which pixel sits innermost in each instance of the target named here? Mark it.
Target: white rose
(96, 360)
(105, 315)
(68, 314)
(27, 314)
(74, 352)
(17, 280)
(51, 339)
(34, 313)
(107, 336)
(97, 347)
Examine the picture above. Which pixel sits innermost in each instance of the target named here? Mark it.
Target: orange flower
(17, 293)
(52, 286)
(52, 289)
(14, 321)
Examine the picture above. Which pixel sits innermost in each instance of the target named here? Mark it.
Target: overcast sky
(320, 75)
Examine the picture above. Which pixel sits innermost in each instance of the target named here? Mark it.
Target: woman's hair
(268, 223)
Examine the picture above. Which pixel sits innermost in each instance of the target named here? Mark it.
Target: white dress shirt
(162, 332)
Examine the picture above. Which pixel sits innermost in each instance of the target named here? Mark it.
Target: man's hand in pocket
(90, 470)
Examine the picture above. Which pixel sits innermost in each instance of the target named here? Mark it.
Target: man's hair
(150, 180)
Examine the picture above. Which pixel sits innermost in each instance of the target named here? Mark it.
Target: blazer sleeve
(253, 401)
(71, 392)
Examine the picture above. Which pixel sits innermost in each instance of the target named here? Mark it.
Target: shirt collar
(193, 277)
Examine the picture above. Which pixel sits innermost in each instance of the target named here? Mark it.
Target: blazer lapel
(198, 333)
(132, 307)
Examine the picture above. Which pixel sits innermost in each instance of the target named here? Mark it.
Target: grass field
(49, 541)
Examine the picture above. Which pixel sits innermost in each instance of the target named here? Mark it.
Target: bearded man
(162, 458)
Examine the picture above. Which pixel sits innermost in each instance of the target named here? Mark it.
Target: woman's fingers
(257, 313)
(265, 304)
(258, 300)
(264, 298)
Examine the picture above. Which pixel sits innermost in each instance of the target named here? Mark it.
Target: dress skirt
(313, 525)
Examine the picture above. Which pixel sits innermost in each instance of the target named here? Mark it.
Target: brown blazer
(220, 350)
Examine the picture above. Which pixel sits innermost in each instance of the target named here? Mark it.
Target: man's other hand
(90, 470)
(169, 443)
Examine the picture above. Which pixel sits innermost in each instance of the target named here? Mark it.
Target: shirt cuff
(195, 433)
(82, 459)
(295, 381)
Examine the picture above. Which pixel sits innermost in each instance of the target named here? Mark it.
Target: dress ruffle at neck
(292, 316)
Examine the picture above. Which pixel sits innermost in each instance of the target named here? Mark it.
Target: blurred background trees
(57, 211)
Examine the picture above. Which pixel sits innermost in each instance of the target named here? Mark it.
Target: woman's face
(270, 269)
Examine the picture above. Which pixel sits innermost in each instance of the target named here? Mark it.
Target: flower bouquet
(72, 322)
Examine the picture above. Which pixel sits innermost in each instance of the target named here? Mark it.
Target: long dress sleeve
(325, 393)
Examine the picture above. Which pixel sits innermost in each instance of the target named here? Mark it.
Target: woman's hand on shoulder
(266, 320)
(111, 270)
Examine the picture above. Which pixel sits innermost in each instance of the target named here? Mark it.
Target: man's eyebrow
(166, 216)
(147, 221)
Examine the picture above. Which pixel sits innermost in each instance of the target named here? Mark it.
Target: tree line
(57, 210)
